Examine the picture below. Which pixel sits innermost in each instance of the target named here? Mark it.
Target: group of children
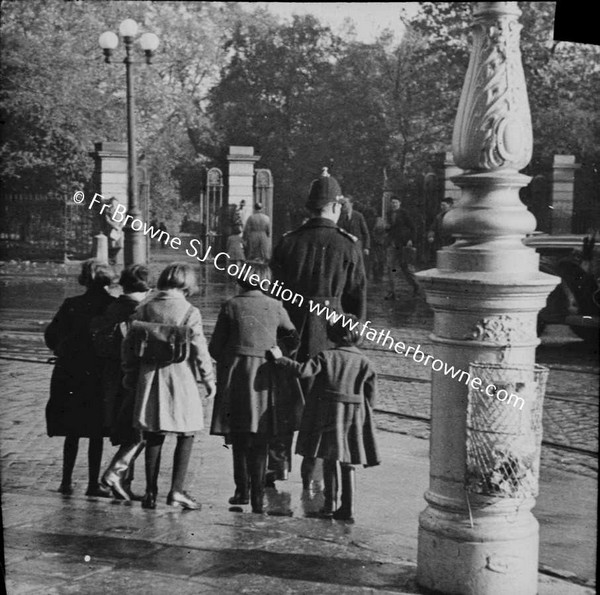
(262, 394)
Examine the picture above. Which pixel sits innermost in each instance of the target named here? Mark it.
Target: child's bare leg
(70, 448)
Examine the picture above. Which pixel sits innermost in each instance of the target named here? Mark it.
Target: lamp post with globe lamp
(135, 251)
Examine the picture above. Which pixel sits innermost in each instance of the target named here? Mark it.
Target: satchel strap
(185, 320)
(187, 316)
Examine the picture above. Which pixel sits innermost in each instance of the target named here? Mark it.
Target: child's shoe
(342, 514)
(184, 500)
(66, 489)
(98, 491)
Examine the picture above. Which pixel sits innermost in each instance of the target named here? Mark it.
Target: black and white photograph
(299, 298)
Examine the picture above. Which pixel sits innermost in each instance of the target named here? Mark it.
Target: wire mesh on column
(504, 429)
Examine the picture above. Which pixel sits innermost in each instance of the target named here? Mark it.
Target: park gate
(211, 210)
(218, 217)
(263, 191)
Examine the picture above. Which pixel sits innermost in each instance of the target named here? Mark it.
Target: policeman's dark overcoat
(322, 263)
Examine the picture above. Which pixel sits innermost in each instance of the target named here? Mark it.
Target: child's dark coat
(337, 423)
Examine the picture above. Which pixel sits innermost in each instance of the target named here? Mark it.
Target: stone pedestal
(486, 292)
(110, 170)
(241, 178)
(563, 185)
(100, 248)
(110, 174)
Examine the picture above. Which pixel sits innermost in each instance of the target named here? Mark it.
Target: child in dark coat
(75, 408)
(118, 401)
(337, 424)
(254, 401)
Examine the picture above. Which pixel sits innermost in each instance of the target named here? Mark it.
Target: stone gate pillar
(486, 292)
(563, 185)
(241, 178)
(110, 170)
(110, 174)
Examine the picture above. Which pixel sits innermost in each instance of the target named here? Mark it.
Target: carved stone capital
(504, 329)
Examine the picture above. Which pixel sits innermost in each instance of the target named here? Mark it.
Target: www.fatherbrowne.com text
(275, 288)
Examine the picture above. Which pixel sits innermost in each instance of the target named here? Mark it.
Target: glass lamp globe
(108, 40)
(128, 28)
(149, 42)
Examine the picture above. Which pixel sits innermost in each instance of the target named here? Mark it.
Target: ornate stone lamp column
(486, 292)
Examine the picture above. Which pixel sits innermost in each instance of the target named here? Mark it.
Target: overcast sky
(370, 18)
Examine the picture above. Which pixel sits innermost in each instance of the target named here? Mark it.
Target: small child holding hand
(337, 424)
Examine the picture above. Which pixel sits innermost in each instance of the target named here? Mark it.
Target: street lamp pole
(135, 249)
(135, 252)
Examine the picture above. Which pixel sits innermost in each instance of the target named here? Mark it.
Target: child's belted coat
(338, 423)
(253, 396)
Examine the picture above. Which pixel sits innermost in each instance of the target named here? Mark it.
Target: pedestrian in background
(74, 409)
(163, 230)
(257, 231)
(113, 230)
(241, 214)
(354, 223)
(338, 424)
(235, 245)
(437, 236)
(255, 402)
(400, 251)
(167, 400)
(324, 264)
(378, 249)
(118, 401)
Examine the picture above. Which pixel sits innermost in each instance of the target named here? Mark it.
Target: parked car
(575, 302)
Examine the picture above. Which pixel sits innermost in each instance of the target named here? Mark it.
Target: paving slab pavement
(47, 536)
(390, 496)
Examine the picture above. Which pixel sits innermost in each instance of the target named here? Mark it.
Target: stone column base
(497, 556)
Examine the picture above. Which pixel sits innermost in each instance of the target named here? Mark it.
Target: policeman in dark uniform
(322, 263)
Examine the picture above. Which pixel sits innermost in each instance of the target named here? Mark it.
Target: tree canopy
(303, 96)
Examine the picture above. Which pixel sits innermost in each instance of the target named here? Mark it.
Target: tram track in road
(43, 355)
(555, 396)
(427, 420)
(18, 344)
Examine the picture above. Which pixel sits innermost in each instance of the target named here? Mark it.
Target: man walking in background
(113, 230)
(400, 253)
(436, 234)
(354, 222)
